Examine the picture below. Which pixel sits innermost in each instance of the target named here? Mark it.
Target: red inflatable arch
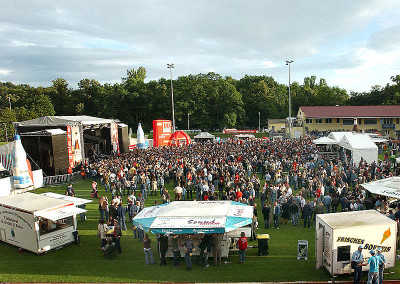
(179, 138)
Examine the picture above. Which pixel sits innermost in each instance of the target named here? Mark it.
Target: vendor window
(343, 253)
(47, 226)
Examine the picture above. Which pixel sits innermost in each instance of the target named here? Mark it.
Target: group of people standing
(291, 178)
(376, 264)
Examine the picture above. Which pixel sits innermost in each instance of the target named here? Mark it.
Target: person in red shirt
(237, 178)
(242, 245)
(318, 194)
(239, 194)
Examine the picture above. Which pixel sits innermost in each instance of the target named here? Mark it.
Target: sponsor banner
(114, 137)
(235, 131)
(76, 145)
(188, 222)
(69, 145)
(161, 132)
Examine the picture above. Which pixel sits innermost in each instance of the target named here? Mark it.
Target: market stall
(197, 217)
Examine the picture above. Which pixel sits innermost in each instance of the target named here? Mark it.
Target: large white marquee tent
(359, 144)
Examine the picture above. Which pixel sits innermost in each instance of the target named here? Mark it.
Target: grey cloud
(387, 39)
(40, 41)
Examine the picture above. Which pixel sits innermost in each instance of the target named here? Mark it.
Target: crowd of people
(292, 179)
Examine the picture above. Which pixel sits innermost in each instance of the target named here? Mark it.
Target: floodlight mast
(170, 66)
(288, 62)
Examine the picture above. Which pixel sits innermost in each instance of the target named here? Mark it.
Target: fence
(61, 179)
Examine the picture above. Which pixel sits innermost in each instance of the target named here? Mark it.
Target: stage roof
(63, 121)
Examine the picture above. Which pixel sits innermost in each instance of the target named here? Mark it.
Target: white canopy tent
(361, 146)
(189, 217)
(204, 136)
(387, 187)
(338, 135)
(325, 141)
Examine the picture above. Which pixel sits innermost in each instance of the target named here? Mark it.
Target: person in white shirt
(178, 192)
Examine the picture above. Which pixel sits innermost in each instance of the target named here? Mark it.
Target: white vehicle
(338, 235)
(38, 223)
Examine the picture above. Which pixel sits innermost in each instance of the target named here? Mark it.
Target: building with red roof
(385, 119)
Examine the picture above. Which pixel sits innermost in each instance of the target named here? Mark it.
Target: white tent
(324, 141)
(387, 187)
(338, 135)
(379, 140)
(361, 146)
(204, 136)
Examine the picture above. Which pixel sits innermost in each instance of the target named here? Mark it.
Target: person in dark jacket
(163, 249)
(117, 236)
(294, 213)
(266, 211)
(121, 214)
(307, 211)
(205, 249)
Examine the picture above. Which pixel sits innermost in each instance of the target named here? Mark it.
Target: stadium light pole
(188, 121)
(259, 123)
(288, 62)
(170, 66)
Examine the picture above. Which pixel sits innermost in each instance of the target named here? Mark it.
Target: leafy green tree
(61, 98)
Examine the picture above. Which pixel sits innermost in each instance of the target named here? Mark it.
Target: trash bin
(263, 245)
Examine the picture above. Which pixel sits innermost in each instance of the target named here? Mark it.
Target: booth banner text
(189, 231)
(188, 222)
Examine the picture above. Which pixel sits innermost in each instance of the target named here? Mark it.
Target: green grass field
(86, 263)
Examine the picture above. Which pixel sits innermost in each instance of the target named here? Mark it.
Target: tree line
(211, 101)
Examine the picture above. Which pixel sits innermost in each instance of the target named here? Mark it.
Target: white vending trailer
(37, 223)
(338, 235)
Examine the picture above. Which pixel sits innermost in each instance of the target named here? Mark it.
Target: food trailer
(198, 218)
(338, 235)
(38, 223)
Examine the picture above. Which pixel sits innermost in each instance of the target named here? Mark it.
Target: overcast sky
(352, 44)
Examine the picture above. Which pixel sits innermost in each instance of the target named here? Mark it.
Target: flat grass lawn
(86, 263)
